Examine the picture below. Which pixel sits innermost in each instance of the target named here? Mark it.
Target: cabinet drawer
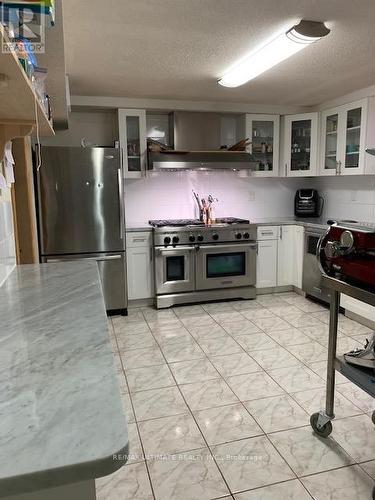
(267, 233)
(139, 239)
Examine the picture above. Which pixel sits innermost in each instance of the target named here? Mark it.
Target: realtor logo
(25, 26)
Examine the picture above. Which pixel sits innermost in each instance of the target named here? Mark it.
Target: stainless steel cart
(321, 422)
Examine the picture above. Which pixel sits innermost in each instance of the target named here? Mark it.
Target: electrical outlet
(251, 196)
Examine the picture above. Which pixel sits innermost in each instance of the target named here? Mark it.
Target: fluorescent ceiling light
(271, 54)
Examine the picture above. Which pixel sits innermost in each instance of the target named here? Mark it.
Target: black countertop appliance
(308, 203)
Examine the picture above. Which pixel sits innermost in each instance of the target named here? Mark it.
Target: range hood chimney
(197, 143)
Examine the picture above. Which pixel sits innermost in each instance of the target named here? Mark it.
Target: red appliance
(347, 252)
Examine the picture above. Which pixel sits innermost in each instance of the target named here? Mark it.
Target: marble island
(61, 417)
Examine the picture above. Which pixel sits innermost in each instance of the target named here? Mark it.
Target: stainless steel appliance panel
(226, 266)
(312, 277)
(112, 270)
(174, 269)
(80, 201)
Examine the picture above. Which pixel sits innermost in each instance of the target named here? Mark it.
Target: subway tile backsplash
(7, 245)
(168, 195)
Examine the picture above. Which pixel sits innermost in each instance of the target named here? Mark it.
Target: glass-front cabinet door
(343, 139)
(353, 147)
(133, 141)
(301, 144)
(263, 132)
(330, 143)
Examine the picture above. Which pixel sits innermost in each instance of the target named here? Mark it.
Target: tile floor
(218, 399)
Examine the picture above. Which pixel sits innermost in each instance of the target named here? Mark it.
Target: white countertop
(61, 417)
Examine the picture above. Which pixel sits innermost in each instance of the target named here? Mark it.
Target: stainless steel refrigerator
(80, 214)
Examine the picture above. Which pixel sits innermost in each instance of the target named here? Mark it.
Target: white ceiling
(176, 49)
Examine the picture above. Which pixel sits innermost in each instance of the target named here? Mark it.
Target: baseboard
(274, 289)
(360, 319)
(140, 303)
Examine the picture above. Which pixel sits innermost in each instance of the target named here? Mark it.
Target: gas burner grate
(195, 222)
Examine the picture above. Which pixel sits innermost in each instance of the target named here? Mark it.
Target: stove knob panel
(246, 236)
(192, 238)
(175, 240)
(167, 240)
(238, 236)
(200, 238)
(215, 236)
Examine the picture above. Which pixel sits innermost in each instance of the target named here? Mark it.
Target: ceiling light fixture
(280, 48)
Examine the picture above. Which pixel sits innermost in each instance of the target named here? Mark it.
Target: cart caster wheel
(324, 431)
(373, 421)
(373, 494)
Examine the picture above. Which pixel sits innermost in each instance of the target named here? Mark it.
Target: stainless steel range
(195, 263)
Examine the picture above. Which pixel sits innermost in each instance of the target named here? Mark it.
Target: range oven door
(226, 266)
(174, 269)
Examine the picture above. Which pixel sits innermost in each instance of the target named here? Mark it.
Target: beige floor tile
(235, 364)
(135, 447)
(296, 378)
(139, 341)
(220, 346)
(140, 358)
(290, 490)
(314, 400)
(256, 342)
(208, 394)
(254, 386)
(152, 377)
(207, 331)
(273, 324)
(357, 396)
(182, 352)
(197, 370)
(357, 436)
(277, 413)
(158, 403)
(174, 434)
(369, 468)
(231, 423)
(310, 352)
(190, 476)
(130, 481)
(243, 327)
(308, 454)
(251, 463)
(293, 336)
(348, 483)
(274, 358)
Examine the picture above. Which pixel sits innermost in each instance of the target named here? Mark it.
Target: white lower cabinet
(266, 264)
(139, 266)
(280, 259)
(285, 257)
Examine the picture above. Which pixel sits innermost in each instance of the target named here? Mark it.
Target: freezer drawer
(112, 270)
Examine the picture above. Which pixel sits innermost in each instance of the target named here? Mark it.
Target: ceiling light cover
(280, 48)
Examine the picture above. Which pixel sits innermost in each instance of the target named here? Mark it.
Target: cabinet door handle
(286, 169)
(138, 240)
(281, 232)
(264, 233)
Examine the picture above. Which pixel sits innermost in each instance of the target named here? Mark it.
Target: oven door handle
(235, 245)
(162, 251)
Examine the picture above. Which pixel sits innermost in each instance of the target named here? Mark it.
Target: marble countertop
(61, 416)
(270, 221)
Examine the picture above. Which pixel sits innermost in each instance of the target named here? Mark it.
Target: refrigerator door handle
(97, 259)
(121, 202)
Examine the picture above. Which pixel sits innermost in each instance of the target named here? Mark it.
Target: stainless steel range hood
(197, 143)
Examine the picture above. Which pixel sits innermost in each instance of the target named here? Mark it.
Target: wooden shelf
(19, 100)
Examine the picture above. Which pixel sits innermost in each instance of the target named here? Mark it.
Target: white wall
(7, 245)
(168, 195)
(349, 197)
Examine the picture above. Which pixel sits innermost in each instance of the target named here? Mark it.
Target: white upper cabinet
(343, 139)
(300, 145)
(133, 142)
(264, 133)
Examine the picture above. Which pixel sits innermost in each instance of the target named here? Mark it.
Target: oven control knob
(167, 240)
(200, 238)
(238, 236)
(246, 236)
(176, 239)
(192, 238)
(215, 236)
